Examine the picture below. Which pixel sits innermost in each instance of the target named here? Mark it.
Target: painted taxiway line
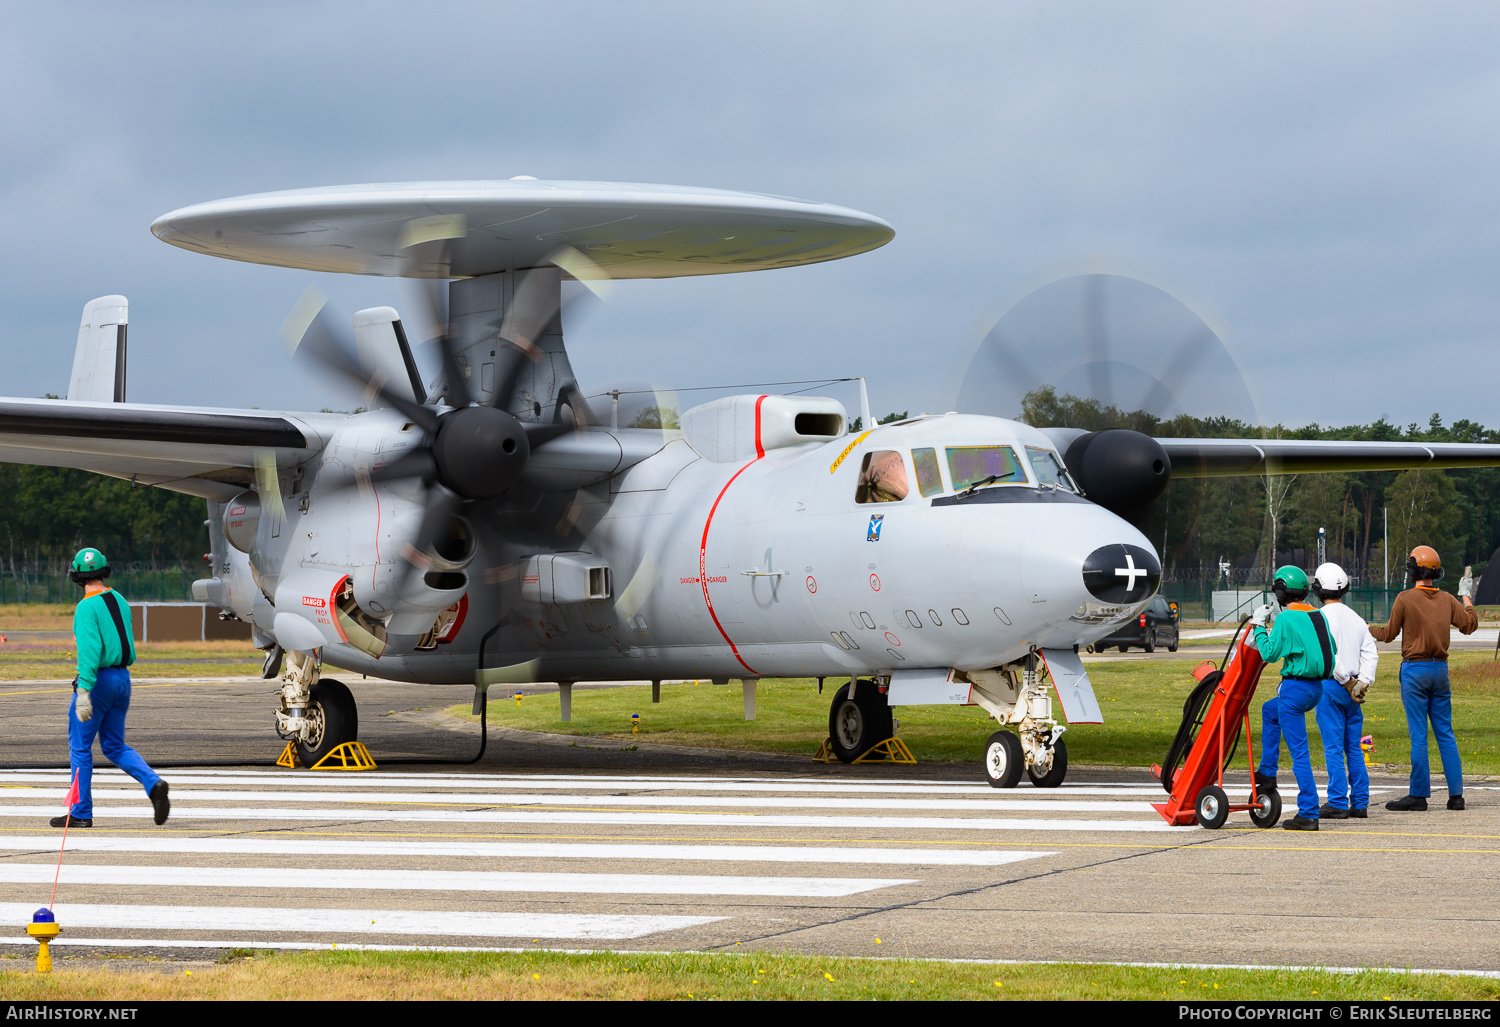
(641, 818)
(980, 804)
(906, 859)
(308, 920)
(446, 880)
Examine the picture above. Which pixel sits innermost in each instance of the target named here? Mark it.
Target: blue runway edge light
(43, 916)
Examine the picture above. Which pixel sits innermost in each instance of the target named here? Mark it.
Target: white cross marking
(1131, 571)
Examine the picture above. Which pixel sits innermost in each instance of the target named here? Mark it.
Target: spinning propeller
(1100, 360)
(472, 450)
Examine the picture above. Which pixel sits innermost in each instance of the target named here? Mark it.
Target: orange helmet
(1424, 562)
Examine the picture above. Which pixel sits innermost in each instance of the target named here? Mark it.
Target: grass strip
(342, 975)
(1142, 703)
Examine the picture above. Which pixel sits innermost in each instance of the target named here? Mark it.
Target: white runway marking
(446, 880)
(906, 859)
(641, 818)
(980, 804)
(306, 781)
(357, 921)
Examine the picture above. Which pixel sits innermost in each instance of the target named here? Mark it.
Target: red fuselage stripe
(703, 545)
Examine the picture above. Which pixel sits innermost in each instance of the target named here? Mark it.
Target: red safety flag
(68, 814)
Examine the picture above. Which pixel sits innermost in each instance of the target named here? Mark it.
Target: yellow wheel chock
(348, 756)
(892, 750)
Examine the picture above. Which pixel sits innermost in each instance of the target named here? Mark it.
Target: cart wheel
(1003, 759)
(1212, 807)
(1267, 809)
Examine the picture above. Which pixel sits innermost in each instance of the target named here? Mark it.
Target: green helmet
(1290, 584)
(88, 564)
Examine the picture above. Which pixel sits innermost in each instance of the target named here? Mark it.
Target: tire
(1124, 648)
(1059, 770)
(1176, 641)
(1003, 759)
(1268, 810)
(1212, 807)
(1150, 645)
(334, 708)
(856, 725)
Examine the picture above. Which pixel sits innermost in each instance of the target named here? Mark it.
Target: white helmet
(1329, 581)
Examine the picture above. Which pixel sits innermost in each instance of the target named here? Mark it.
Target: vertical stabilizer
(384, 351)
(99, 360)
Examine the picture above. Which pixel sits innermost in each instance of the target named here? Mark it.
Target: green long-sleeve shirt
(98, 639)
(1294, 640)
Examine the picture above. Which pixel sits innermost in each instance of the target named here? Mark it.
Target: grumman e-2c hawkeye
(487, 528)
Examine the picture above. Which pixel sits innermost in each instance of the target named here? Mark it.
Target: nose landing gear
(1017, 696)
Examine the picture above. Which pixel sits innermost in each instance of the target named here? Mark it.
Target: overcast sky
(1318, 181)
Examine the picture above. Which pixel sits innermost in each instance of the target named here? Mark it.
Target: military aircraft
(487, 527)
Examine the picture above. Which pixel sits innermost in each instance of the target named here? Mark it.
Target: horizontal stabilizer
(99, 360)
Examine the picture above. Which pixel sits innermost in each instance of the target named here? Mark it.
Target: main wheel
(857, 724)
(1059, 770)
(1267, 809)
(1003, 759)
(1212, 807)
(335, 720)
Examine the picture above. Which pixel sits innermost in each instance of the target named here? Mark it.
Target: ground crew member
(101, 691)
(1340, 719)
(1301, 640)
(1422, 616)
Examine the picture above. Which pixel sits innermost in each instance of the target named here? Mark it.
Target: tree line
(1252, 523)
(1256, 523)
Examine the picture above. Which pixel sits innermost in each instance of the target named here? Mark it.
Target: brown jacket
(1422, 616)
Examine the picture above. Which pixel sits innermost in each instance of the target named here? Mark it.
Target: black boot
(1455, 802)
(1300, 824)
(71, 822)
(1328, 812)
(1408, 803)
(1361, 813)
(1264, 783)
(160, 804)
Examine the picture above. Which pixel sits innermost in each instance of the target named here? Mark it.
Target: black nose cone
(1121, 574)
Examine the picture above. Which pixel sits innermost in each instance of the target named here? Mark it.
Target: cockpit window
(882, 478)
(1049, 469)
(969, 465)
(929, 475)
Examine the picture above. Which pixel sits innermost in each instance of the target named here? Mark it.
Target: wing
(1213, 458)
(200, 451)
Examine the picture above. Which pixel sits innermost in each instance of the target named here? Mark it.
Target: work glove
(1357, 689)
(1261, 615)
(1466, 584)
(83, 705)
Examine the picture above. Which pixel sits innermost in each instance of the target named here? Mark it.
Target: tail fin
(99, 360)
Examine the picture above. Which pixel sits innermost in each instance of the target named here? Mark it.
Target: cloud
(1323, 177)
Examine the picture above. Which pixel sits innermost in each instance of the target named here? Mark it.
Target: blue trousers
(1426, 696)
(111, 698)
(1285, 717)
(1270, 736)
(1342, 721)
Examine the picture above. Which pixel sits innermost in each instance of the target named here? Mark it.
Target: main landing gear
(1014, 695)
(317, 714)
(858, 720)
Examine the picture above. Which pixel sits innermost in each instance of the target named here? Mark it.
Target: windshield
(968, 465)
(1049, 469)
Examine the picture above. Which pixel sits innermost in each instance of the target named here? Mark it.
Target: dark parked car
(1156, 625)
